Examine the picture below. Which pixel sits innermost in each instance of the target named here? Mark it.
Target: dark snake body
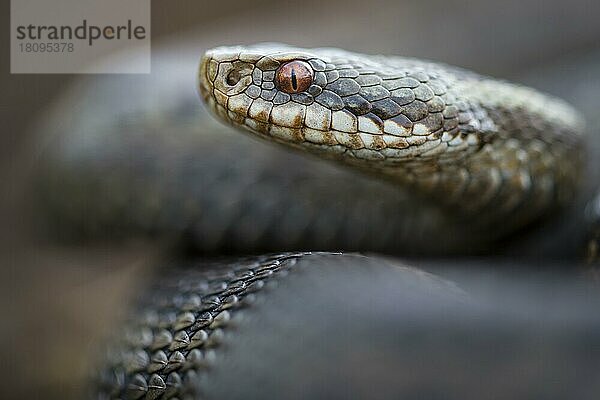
(326, 326)
(204, 328)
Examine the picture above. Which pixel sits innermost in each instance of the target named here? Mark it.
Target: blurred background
(55, 301)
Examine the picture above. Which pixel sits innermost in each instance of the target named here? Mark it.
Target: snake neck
(516, 157)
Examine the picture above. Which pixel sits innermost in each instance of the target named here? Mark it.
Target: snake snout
(233, 78)
(223, 76)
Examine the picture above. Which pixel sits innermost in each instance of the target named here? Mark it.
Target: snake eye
(294, 77)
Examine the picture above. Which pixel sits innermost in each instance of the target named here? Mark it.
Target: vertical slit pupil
(293, 77)
(294, 81)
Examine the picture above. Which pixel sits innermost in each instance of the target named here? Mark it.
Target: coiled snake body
(449, 161)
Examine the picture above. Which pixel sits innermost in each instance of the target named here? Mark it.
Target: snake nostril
(234, 77)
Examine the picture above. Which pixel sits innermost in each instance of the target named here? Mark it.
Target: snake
(344, 153)
(471, 143)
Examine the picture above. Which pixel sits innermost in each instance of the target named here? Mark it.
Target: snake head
(342, 105)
